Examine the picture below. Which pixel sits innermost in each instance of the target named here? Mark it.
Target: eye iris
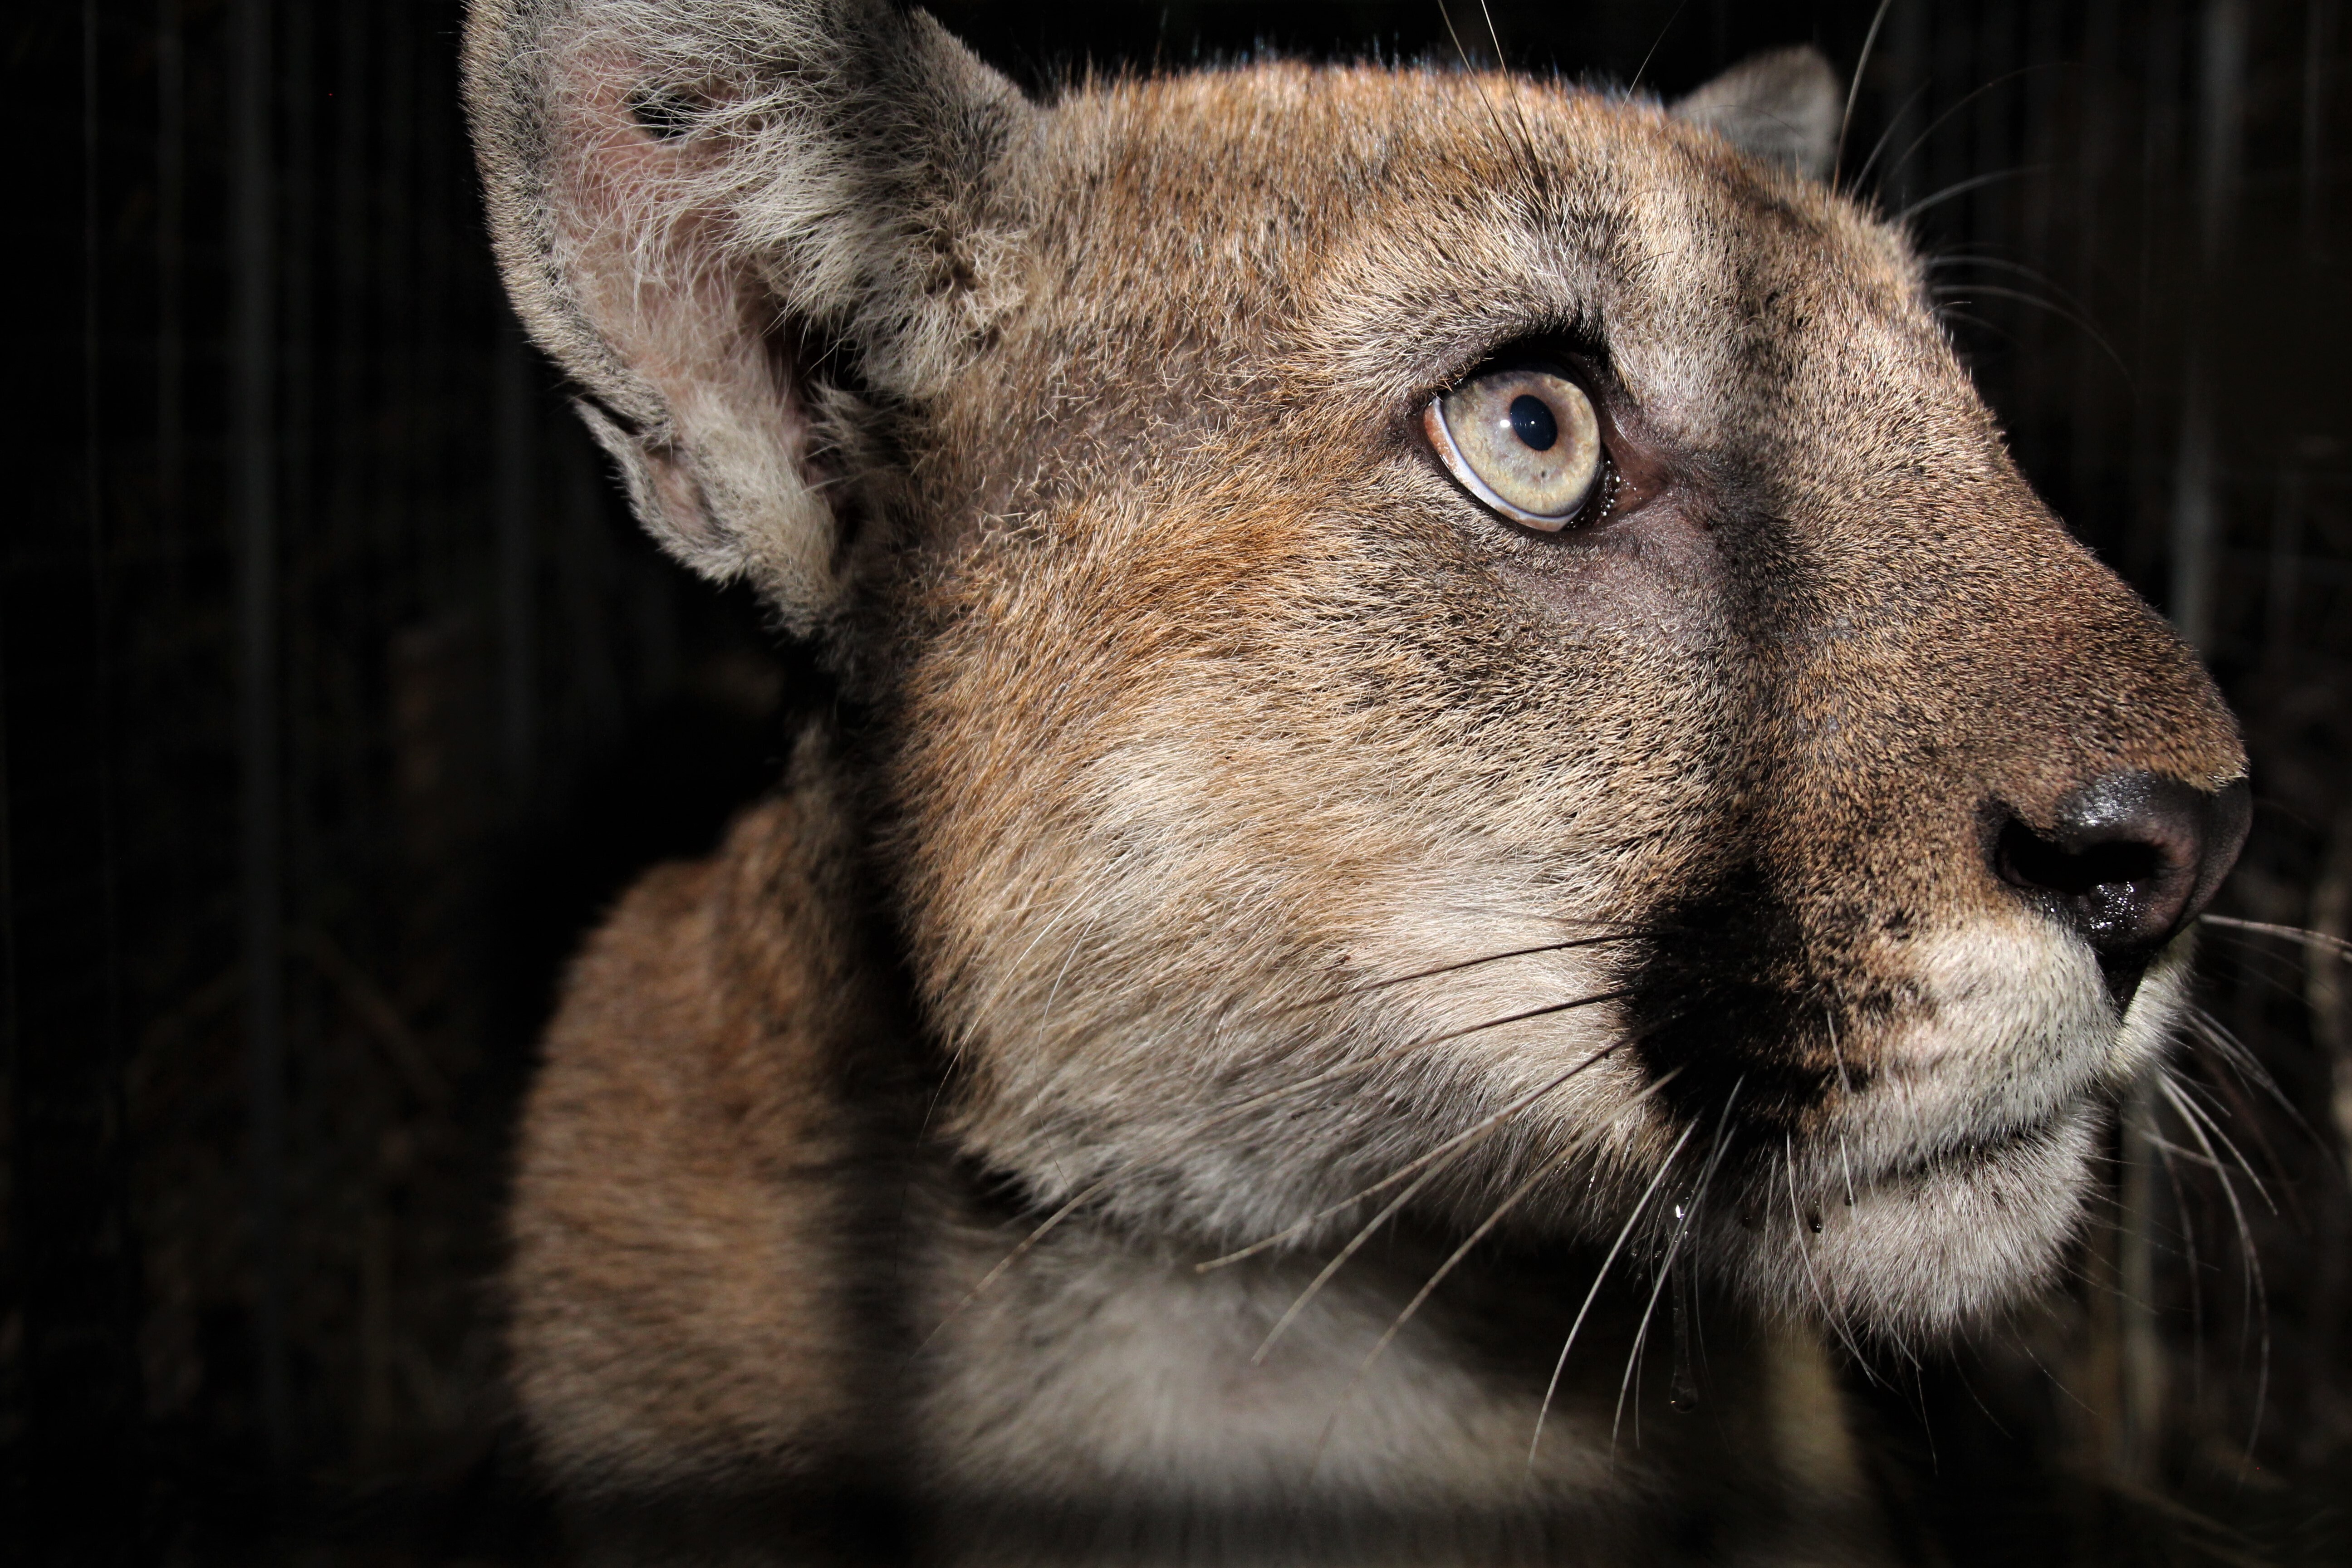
(1525, 440)
(1533, 423)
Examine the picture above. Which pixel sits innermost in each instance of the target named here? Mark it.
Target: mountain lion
(1471, 813)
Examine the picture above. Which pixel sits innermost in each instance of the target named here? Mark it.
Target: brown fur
(711, 1013)
(1241, 817)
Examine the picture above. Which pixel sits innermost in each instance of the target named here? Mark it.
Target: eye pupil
(1533, 423)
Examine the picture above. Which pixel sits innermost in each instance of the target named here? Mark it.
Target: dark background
(338, 694)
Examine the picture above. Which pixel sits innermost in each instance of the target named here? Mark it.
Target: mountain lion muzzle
(1458, 742)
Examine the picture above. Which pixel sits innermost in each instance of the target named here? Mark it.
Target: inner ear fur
(1783, 106)
(699, 208)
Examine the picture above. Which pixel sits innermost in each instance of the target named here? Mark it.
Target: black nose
(2126, 861)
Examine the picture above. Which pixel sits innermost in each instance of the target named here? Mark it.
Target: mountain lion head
(1419, 636)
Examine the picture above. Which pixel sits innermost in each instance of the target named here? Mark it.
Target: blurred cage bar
(341, 693)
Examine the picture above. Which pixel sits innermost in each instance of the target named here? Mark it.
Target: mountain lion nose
(2127, 861)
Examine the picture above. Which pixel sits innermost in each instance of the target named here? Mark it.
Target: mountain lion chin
(1914, 1256)
(1945, 1190)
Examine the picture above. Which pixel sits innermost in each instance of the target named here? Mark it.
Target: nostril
(2031, 861)
(2126, 861)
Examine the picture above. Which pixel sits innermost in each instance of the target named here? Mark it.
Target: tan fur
(1237, 819)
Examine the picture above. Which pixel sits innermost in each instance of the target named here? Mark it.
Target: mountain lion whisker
(1343, 1205)
(1546, 1169)
(2166, 1146)
(1797, 1230)
(1945, 260)
(1607, 1262)
(1457, 967)
(2318, 938)
(1853, 89)
(2255, 1298)
(1962, 187)
(1945, 315)
(2282, 975)
(1445, 1157)
(2072, 318)
(1958, 104)
(1339, 1259)
(1685, 1216)
(1533, 158)
(2184, 1095)
(2254, 1294)
(1470, 69)
(1845, 1087)
(1484, 1228)
(2209, 1032)
(1893, 123)
(1231, 1113)
(2192, 1269)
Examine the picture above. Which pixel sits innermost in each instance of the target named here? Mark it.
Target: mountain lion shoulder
(1470, 805)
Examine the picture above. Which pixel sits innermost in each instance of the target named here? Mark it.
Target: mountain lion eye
(1525, 441)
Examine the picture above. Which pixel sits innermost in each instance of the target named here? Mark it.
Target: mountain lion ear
(741, 225)
(1782, 107)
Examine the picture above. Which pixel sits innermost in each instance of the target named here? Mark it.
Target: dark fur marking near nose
(1729, 999)
(2126, 862)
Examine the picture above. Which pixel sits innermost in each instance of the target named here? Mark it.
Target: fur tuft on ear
(743, 226)
(1783, 107)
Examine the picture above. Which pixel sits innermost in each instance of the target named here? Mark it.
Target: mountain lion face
(1738, 826)
(1430, 639)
